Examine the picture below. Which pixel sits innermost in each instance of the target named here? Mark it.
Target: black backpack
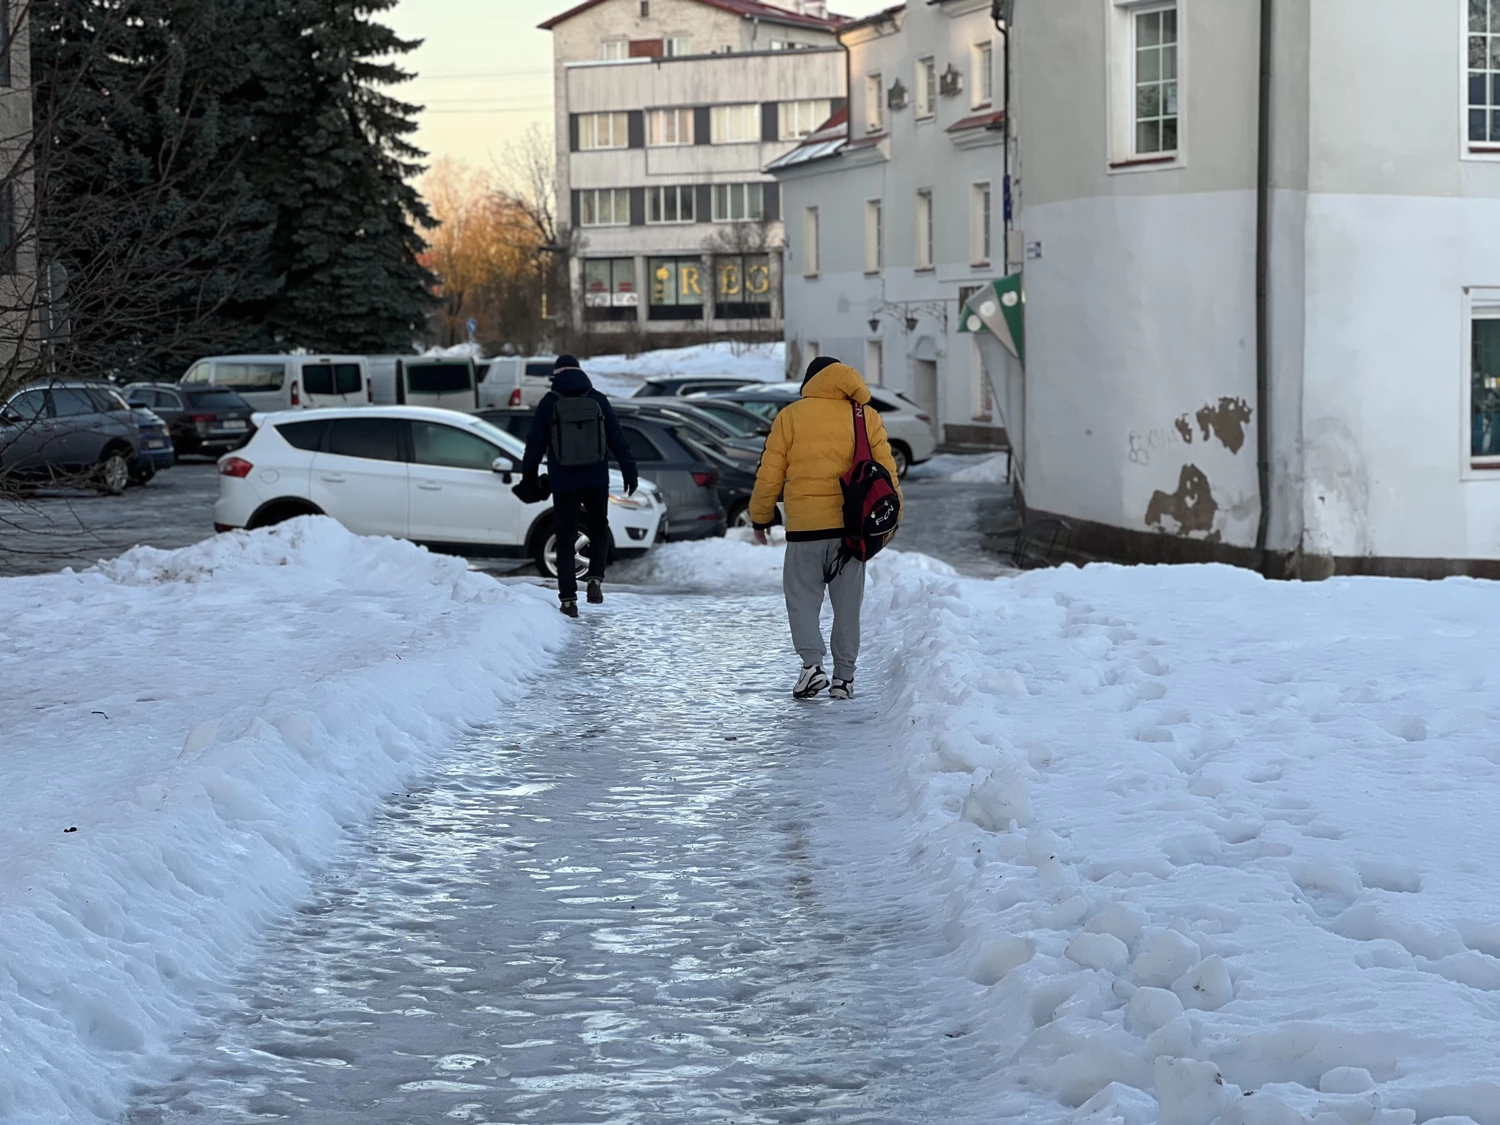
(578, 432)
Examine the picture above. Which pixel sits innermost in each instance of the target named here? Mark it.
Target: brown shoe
(569, 606)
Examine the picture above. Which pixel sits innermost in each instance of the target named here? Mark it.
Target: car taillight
(515, 397)
(296, 396)
(706, 480)
(235, 467)
(924, 418)
(203, 417)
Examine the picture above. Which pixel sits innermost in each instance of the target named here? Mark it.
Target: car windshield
(216, 400)
(741, 425)
(705, 422)
(514, 447)
(767, 410)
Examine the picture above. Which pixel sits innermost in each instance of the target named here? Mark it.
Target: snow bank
(185, 737)
(966, 468)
(1202, 835)
(620, 375)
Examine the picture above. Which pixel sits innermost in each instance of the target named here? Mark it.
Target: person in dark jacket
(578, 488)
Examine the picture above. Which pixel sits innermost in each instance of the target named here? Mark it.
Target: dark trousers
(593, 503)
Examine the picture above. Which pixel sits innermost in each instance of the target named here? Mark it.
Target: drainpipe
(1262, 290)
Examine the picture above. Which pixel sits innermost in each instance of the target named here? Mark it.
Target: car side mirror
(505, 467)
(10, 417)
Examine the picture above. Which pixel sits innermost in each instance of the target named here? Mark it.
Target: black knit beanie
(817, 365)
(566, 363)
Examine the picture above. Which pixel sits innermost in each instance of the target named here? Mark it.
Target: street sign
(473, 326)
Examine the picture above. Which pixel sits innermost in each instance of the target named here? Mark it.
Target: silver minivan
(285, 382)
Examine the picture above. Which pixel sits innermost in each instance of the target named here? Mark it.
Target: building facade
(668, 112)
(1368, 359)
(26, 315)
(895, 211)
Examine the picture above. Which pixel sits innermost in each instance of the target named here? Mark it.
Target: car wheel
(279, 511)
(902, 456)
(112, 474)
(142, 474)
(546, 554)
(740, 516)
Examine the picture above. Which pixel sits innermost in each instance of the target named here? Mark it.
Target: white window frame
(874, 371)
(658, 193)
(791, 117)
(926, 88)
(722, 118)
(810, 252)
(681, 120)
(613, 50)
(1123, 156)
(874, 103)
(617, 131)
(981, 223)
(1470, 149)
(676, 46)
(874, 236)
(724, 202)
(1479, 304)
(982, 74)
(615, 197)
(926, 249)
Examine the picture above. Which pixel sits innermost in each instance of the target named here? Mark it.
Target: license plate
(156, 445)
(232, 425)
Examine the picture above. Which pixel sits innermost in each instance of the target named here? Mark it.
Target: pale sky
(484, 71)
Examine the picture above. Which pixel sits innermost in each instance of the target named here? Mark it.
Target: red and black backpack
(872, 506)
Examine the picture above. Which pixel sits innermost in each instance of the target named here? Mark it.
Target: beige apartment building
(668, 112)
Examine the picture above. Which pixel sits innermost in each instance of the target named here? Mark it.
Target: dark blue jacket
(572, 383)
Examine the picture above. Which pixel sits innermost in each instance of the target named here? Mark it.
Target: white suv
(436, 477)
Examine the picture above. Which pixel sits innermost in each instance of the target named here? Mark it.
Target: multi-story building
(895, 210)
(1336, 410)
(667, 113)
(23, 314)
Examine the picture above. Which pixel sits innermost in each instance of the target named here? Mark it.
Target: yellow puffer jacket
(810, 446)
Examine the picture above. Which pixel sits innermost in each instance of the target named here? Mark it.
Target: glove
(632, 482)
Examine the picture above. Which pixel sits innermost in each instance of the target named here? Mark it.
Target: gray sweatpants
(802, 579)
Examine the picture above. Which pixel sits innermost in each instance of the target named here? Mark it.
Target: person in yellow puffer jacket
(811, 445)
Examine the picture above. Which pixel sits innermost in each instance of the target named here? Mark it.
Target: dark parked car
(745, 423)
(156, 451)
(672, 386)
(734, 469)
(688, 480)
(206, 420)
(68, 430)
(722, 434)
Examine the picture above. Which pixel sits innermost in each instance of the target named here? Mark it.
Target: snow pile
(185, 737)
(966, 468)
(1216, 849)
(620, 375)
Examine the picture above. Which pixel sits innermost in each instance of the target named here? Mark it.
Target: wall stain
(1192, 507)
(1185, 428)
(1227, 422)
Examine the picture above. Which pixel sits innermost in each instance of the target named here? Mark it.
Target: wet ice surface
(667, 894)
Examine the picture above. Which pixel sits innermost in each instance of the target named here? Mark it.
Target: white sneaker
(812, 681)
(841, 689)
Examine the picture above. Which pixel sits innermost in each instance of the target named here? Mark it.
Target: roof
(874, 18)
(827, 140)
(749, 9)
(989, 120)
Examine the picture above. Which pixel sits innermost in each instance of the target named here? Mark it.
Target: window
(669, 204)
(742, 286)
(29, 405)
(642, 448)
(736, 123)
(874, 105)
(199, 373)
(609, 291)
(603, 130)
(9, 239)
(303, 435)
(874, 363)
(208, 400)
(331, 379)
(70, 402)
(1484, 387)
(106, 399)
(924, 229)
(1154, 51)
(802, 118)
(169, 400)
(645, 9)
(250, 376)
(678, 45)
(1484, 72)
(604, 207)
(874, 237)
(926, 86)
(450, 448)
(669, 127)
(374, 439)
(810, 242)
(981, 219)
(982, 74)
(676, 289)
(438, 378)
(735, 203)
(613, 50)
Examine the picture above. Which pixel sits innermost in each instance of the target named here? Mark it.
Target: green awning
(999, 307)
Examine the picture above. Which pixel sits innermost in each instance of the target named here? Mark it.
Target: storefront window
(609, 291)
(676, 289)
(742, 286)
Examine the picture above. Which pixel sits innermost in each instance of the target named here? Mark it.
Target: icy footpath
(184, 738)
(1221, 850)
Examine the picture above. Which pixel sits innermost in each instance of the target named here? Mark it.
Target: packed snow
(620, 375)
(184, 738)
(965, 468)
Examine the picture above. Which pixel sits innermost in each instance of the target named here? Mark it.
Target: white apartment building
(895, 211)
(667, 113)
(1370, 360)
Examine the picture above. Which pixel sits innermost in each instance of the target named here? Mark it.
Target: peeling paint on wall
(1227, 422)
(1191, 508)
(1185, 428)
